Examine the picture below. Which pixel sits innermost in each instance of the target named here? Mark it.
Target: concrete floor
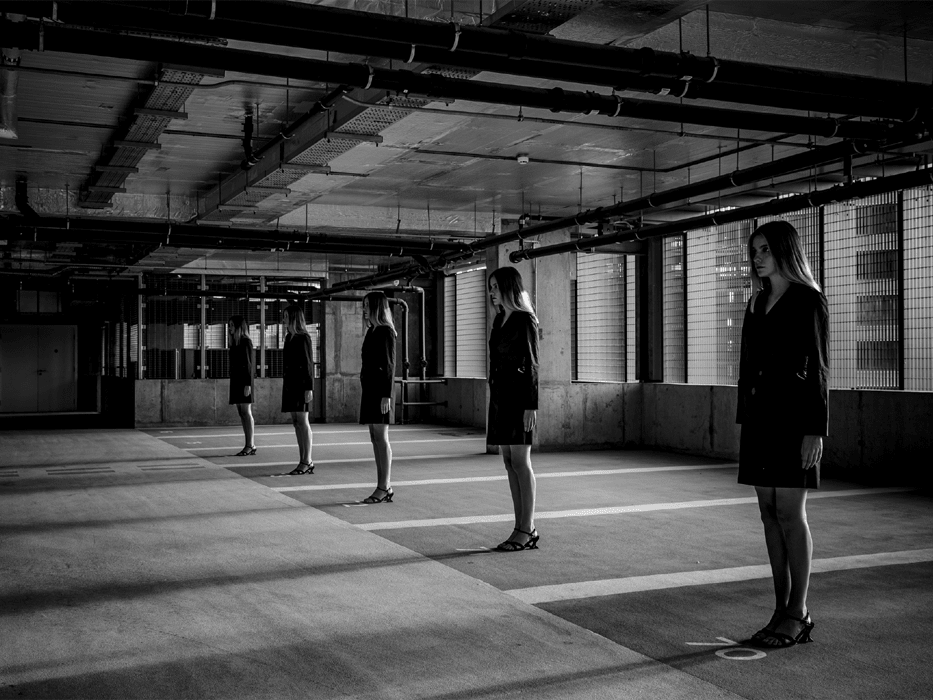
(156, 565)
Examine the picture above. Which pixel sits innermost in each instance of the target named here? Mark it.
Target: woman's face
(230, 328)
(494, 297)
(365, 312)
(762, 258)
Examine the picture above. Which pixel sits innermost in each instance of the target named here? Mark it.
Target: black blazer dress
(513, 378)
(783, 387)
(298, 376)
(242, 369)
(377, 376)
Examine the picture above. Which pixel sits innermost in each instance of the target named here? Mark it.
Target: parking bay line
(635, 584)
(615, 510)
(292, 432)
(498, 477)
(321, 445)
(395, 460)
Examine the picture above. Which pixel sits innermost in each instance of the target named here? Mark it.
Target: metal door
(38, 371)
(18, 365)
(56, 371)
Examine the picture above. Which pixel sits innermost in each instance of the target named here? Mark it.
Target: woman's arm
(527, 384)
(744, 369)
(814, 413)
(307, 363)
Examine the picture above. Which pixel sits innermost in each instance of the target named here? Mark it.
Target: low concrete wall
(571, 416)
(203, 402)
(697, 419)
(873, 435)
(466, 402)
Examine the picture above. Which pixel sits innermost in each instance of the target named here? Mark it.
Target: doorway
(38, 368)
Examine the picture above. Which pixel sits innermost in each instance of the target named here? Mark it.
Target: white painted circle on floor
(740, 654)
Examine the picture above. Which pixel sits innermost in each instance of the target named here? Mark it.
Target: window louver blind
(471, 323)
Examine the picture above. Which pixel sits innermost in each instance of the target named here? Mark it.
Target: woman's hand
(308, 395)
(247, 391)
(385, 404)
(530, 419)
(811, 451)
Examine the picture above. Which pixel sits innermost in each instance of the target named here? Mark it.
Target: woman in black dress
(377, 378)
(242, 370)
(513, 397)
(783, 410)
(297, 383)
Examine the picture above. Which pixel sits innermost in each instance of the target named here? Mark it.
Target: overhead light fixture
(522, 158)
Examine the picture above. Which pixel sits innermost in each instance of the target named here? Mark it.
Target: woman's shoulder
(524, 317)
(808, 295)
(382, 330)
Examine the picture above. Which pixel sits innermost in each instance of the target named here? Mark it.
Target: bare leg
(514, 487)
(523, 486)
(303, 433)
(382, 451)
(777, 550)
(792, 516)
(246, 419)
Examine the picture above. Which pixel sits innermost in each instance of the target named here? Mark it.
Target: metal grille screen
(918, 294)
(675, 369)
(471, 323)
(450, 326)
(630, 319)
(863, 290)
(718, 289)
(600, 318)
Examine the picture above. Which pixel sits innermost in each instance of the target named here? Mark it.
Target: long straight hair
(512, 290)
(240, 328)
(787, 252)
(295, 322)
(377, 303)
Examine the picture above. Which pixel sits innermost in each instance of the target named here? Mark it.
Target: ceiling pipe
(737, 178)
(784, 166)
(859, 190)
(89, 42)
(116, 15)
(276, 22)
(393, 49)
(194, 236)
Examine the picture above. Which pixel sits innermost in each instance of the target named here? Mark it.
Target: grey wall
(203, 402)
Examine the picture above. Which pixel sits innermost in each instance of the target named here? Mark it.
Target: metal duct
(859, 190)
(81, 41)
(479, 48)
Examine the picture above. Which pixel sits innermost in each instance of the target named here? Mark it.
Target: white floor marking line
(349, 460)
(723, 642)
(502, 477)
(636, 584)
(393, 431)
(319, 445)
(614, 510)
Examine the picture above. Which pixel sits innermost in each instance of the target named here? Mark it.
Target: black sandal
(385, 499)
(246, 452)
(298, 471)
(785, 640)
(766, 631)
(512, 546)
